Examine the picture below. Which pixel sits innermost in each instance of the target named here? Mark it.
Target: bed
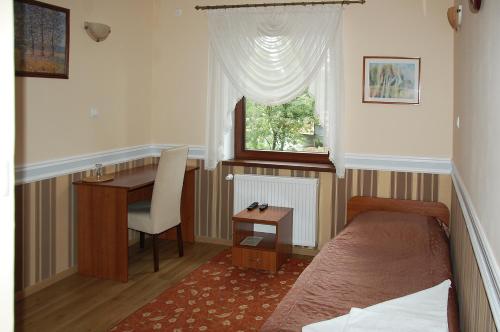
(390, 248)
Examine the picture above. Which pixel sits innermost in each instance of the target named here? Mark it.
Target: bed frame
(360, 204)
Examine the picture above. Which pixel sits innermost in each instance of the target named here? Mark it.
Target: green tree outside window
(292, 126)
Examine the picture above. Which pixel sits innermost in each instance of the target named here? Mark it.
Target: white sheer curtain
(272, 55)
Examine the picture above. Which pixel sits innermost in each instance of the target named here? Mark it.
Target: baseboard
(490, 271)
(30, 290)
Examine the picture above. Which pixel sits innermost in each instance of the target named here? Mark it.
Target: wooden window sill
(312, 167)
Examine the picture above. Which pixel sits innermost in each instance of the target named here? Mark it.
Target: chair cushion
(139, 217)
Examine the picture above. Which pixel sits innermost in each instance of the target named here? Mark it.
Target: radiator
(301, 194)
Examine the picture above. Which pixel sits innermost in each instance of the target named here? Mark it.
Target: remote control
(263, 206)
(252, 206)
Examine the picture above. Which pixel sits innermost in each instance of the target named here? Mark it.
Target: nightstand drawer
(254, 258)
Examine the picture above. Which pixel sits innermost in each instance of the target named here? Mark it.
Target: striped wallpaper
(46, 223)
(475, 312)
(214, 194)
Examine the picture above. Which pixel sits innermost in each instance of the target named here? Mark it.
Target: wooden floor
(86, 304)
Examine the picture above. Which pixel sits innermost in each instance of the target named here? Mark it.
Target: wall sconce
(97, 31)
(475, 5)
(455, 16)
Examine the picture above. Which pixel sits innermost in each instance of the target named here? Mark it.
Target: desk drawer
(140, 194)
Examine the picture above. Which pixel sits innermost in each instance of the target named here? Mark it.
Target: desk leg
(102, 232)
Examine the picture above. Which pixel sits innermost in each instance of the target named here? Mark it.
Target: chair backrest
(167, 190)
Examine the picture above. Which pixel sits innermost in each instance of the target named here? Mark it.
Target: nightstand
(270, 250)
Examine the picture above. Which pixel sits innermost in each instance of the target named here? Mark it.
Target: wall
(474, 307)
(114, 76)
(410, 28)
(381, 27)
(475, 151)
(7, 162)
(215, 195)
(476, 159)
(46, 221)
(46, 226)
(179, 66)
(149, 82)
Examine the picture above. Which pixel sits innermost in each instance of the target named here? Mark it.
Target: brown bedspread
(378, 257)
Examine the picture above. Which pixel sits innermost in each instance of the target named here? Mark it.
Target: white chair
(163, 212)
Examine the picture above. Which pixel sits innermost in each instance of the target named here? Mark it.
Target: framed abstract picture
(391, 80)
(41, 39)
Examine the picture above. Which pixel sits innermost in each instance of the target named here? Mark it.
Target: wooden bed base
(360, 204)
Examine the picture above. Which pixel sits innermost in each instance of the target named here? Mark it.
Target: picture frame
(42, 35)
(391, 80)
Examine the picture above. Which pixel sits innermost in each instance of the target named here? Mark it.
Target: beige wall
(408, 28)
(476, 150)
(6, 178)
(414, 28)
(114, 76)
(148, 80)
(180, 61)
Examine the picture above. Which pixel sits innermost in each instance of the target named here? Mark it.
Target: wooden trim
(360, 204)
(240, 152)
(30, 290)
(239, 128)
(281, 165)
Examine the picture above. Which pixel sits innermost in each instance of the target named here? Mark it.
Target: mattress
(379, 256)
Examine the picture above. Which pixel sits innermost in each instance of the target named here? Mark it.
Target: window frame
(241, 153)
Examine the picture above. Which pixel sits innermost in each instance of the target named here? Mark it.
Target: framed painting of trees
(41, 39)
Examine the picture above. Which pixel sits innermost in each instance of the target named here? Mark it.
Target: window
(286, 132)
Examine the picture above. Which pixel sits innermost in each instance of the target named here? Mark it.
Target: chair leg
(141, 240)
(179, 240)
(155, 252)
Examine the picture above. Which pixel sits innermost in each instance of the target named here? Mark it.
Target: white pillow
(422, 311)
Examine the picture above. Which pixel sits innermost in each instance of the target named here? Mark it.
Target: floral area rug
(216, 297)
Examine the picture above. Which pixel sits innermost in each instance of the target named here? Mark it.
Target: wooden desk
(102, 211)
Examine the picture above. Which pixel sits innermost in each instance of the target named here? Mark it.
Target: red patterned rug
(216, 297)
